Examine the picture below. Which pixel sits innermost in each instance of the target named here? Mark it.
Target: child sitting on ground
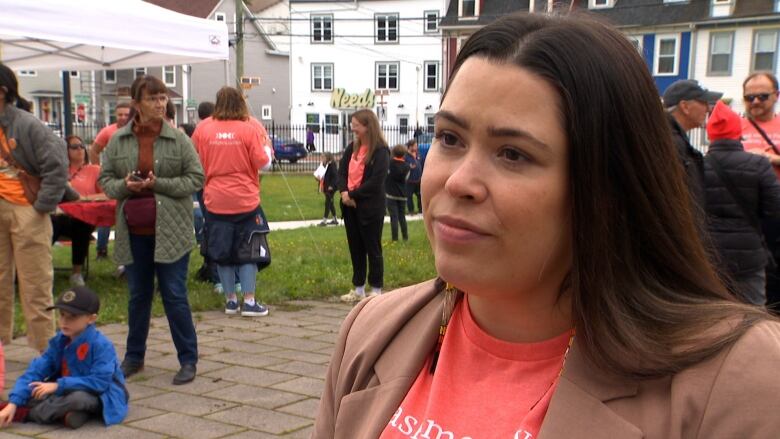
(77, 377)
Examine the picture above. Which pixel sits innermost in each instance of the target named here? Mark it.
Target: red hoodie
(724, 123)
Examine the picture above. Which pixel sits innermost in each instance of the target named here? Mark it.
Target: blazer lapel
(578, 410)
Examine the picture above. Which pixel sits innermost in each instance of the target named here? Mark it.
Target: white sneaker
(374, 293)
(76, 280)
(352, 297)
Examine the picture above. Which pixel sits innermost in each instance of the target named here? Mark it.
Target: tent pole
(67, 119)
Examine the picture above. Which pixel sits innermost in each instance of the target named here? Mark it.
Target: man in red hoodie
(741, 190)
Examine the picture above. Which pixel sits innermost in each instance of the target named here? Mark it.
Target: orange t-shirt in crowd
(754, 142)
(101, 141)
(11, 188)
(483, 388)
(357, 165)
(232, 153)
(84, 180)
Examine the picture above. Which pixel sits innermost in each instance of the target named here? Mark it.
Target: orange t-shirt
(84, 179)
(101, 140)
(483, 387)
(232, 153)
(754, 142)
(11, 188)
(357, 165)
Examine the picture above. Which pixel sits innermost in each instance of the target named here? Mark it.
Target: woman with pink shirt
(232, 151)
(82, 177)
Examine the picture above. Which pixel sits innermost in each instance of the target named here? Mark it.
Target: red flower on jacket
(82, 350)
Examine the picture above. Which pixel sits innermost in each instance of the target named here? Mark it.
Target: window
(777, 5)
(666, 55)
(721, 45)
(429, 123)
(169, 75)
(331, 124)
(220, 16)
(468, 8)
(431, 21)
(265, 112)
(28, 73)
(596, 4)
(764, 50)
(431, 75)
(403, 124)
(387, 75)
(322, 77)
(139, 71)
(74, 74)
(313, 122)
(109, 76)
(322, 28)
(386, 28)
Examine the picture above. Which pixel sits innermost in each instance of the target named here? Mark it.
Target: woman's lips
(457, 230)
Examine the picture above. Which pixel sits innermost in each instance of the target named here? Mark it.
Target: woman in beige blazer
(556, 209)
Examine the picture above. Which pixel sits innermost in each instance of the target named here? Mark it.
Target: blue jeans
(102, 238)
(197, 217)
(247, 275)
(172, 282)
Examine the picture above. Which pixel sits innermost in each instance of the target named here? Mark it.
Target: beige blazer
(385, 340)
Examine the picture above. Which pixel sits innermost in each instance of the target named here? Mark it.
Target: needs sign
(340, 99)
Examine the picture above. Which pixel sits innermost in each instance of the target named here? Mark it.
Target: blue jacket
(92, 365)
(415, 168)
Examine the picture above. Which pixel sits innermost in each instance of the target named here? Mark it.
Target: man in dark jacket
(741, 190)
(687, 105)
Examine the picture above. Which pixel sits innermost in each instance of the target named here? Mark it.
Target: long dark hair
(375, 139)
(645, 296)
(9, 82)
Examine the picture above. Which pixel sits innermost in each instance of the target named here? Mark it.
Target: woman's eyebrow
(450, 116)
(516, 132)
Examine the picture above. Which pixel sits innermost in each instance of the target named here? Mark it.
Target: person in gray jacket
(741, 191)
(27, 147)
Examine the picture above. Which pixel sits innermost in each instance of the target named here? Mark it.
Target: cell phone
(136, 177)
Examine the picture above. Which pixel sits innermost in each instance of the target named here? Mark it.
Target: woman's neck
(76, 164)
(522, 319)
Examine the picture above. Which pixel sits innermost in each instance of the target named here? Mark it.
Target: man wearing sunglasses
(761, 135)
(687, 104)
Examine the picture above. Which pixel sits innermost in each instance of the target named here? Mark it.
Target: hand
(133, 185)
(346, 200)
(7, 414)
(40, 389)
(150, 181)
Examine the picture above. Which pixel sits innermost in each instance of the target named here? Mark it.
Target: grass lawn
(291, 197)
(307, 263)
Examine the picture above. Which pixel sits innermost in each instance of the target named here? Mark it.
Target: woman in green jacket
(152, 170)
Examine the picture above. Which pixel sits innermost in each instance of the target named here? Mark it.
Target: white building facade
(385, 55)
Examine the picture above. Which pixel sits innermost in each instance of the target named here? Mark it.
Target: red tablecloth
(97, 213)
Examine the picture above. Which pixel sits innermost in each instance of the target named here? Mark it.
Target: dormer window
(722, 8)
(599, 4)
(468, 8)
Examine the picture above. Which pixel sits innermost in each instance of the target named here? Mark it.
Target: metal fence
(327, 138)
(87, 131)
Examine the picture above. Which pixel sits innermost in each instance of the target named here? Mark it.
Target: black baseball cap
(689, 90)
(77, 300)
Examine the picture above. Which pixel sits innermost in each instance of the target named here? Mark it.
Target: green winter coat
(179, 175)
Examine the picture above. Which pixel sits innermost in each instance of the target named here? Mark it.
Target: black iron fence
(87, 131)
(326, 138)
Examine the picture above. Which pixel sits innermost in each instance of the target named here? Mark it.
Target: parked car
(288, 149)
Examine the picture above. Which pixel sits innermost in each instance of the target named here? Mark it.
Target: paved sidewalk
(287, 225)
(257, 378)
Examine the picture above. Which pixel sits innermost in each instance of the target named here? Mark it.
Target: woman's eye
(512, 155)
(447, 139)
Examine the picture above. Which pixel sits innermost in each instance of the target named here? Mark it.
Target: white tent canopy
(104, 34)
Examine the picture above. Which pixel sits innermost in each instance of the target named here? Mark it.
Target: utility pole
(239, 41)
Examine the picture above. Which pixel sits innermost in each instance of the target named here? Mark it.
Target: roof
(260, 5)
(195, 8)
(625, 12)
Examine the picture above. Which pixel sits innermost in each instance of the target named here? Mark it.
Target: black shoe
(185, 375)
(102, 254)
(130, 368)
(75, 419)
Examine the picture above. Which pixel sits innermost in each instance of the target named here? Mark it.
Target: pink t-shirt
(232, 153)
(483, 388)
(104, 136)
(754, 142)
(85, 179)
(357, 165)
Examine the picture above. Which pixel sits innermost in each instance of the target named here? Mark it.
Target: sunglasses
(762, 97)
(75, 146)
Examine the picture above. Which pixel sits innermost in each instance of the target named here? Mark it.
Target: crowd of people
(603, 272)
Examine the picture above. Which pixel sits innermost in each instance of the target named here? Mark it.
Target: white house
(345, 55)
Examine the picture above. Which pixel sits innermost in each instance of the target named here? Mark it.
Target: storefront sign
(341, 100)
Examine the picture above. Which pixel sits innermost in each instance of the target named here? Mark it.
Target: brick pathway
(257, 378)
